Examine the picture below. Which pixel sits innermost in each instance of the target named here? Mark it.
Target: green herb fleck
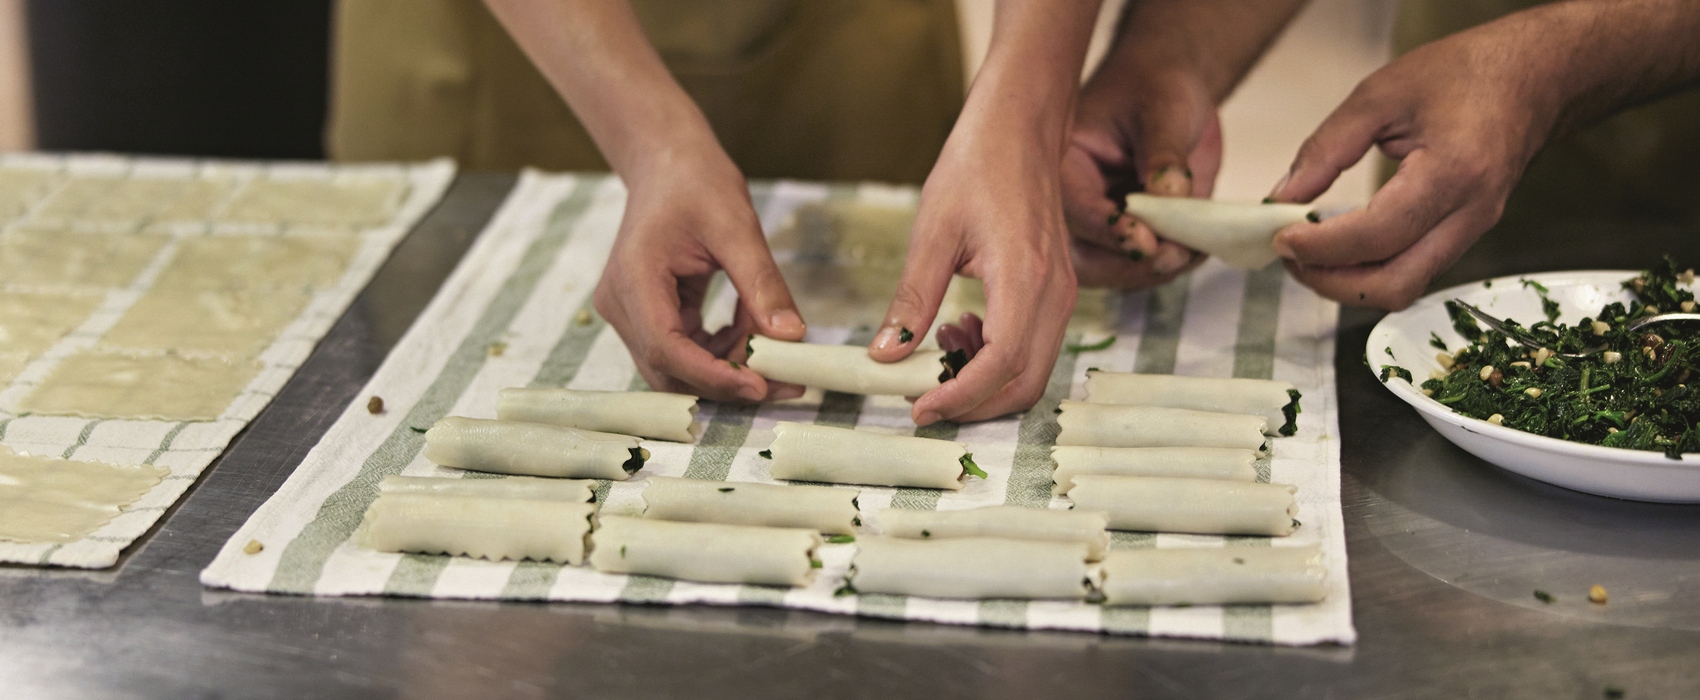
(1136, 255)
(905, 335)
(1531, 284)
(926, 533)
(1614, 693)
(953, 361)
(1093, 347)
(1389, 351)
(1313, 217)
(418, 430)
(816, 564)
(1434, 340)
(1544, 597)
(844, 590)
(841, 539)
(1239, 560)
(726, 489)
(635, 463)
(1291, 412)
(1391, 371)
(748, 350)
(1113, 219)
(1487, 284)
(1268, 200)
(766, 454)
(734, 364)
(968, 465)
(622, 551)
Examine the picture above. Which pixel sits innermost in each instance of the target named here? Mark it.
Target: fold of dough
(652, 414)
(571, 490)
(1008, 522)
(845, 368)
(1214, 576)
(1238, 233)
(1203, 506)
(822, 508)
(804, 452)
(1233, 464)
(1108, 425)
(769, 556)
(970, 567)
(465, 517)
(511, 447)
(1256, 397)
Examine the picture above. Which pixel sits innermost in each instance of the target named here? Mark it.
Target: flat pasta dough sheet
(147, 314)
(531, 273)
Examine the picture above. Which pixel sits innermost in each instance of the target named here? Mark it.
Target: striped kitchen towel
(517, 312)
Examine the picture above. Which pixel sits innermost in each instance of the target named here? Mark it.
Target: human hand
(1463, 116)
(1151, 129)
(681, 224)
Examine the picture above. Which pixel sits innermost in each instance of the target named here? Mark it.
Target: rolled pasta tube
(820, 508)
(1276, 401)
(848, 369)
(1238, 233)
(512, 447)
(970, 567)
(1203, 506)
(571, 490)
(486, 527)
(1008, 522)
(652, 414)
(711, 553)
(1214, 576)
(1108, 425)
(804, 452)
(1232, 464)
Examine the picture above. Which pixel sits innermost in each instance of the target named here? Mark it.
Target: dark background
(239, 79)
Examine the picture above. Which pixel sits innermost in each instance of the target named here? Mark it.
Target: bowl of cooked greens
(1568, 393)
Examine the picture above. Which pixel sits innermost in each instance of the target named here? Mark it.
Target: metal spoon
(1634, 325)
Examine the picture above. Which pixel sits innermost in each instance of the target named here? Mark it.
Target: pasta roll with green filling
(479, 518)
(1186, 462)
(534, 449)
(970, 567)
(710, 553)
(1276, 401)
(1238, 233)
(848, 369)
(1106, 425)
(804, 452)
(1202, 506)
(652, 414)
(1008, 522)
(820, 508)
(1214, 576)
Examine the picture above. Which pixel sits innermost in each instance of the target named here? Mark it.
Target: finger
(1021, 310)
(709, 376)
(1015, 396)
(1337, 144)
(952, 338)
(1205, 160)
(650, 326)
(1099, 268)
(926, 274)
(761, 288)
(995, 366)
(1408, 207)
(976, 330)
(1395, 283)
(1091, 213)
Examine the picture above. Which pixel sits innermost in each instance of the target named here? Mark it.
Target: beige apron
(814, 89)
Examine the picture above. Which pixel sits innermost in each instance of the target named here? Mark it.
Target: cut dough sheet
(30, 323)
(804, 452)
(467, 517)
(55, 258)
(847, 368)
(1240, 234)
(534, 449)
(652, 414)
(22, 187)
(711, 553)
(113, 199)
(165, 387)
(970, 567)
(1214, 576)
(1185, 462)
(1202, 506)
(233, 322)
(346, 202)
(296, 261)
(573, 490)
(822, 508)
(1009, 522)
(1107, 425)
(51, 500)
(1258, 397)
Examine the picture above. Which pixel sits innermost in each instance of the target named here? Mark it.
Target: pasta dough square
(259, 262)
(229, 321)
(30, 323)
(197, 201)
(165, 387)
(43, 499)
(11, 365)
(58, 258)
(20, 188)
(118, 199)
(352, 203)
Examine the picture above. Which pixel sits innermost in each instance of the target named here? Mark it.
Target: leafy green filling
(1291, 413)
(968, 465)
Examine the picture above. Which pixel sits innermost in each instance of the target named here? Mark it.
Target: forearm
(594, 53)
(1218, 39)
(1027, 87)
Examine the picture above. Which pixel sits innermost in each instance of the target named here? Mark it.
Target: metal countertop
(1446, 552)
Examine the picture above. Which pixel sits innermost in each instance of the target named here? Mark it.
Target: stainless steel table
(1446, 553)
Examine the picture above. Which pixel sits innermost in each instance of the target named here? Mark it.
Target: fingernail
(888, 338)
(750, 393)
(927, 418)
(786, 321)
(1127, 243)
(1170, 260)
(1281, 185)
(1282, 247)
(1172, 181)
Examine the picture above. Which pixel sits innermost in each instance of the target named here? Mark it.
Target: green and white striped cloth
(532, 271)
(47, 192)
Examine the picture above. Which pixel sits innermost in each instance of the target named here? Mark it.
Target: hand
(1156, 126)
(1463, 116)
(994, 214)
(681, 225)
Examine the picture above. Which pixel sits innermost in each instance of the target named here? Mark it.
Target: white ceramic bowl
(1607, 471)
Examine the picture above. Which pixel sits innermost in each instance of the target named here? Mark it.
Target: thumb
(926, 275)
(762, 293)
